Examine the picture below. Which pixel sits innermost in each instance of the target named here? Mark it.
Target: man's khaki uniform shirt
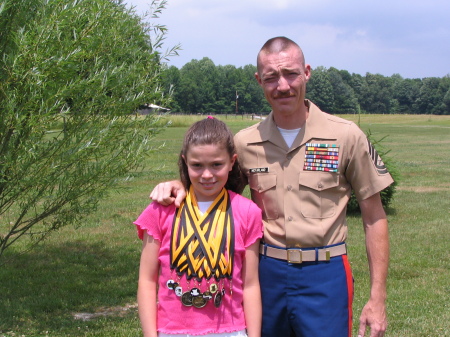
(305, 206)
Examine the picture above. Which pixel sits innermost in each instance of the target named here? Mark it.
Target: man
(301, 165)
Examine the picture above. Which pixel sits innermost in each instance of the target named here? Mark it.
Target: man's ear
(258, 78)
(307, 72)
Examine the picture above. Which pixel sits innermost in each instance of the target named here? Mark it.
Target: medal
(218, 299)
(213, 288)
(202, 248)
(171, 284)
(195, 292)
(186, 299)
(178, 291)
(199, 301)
(207, 295)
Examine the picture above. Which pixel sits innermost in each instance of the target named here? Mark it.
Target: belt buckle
(294, 255)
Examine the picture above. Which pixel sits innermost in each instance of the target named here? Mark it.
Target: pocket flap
(262, 182)
(318, 180)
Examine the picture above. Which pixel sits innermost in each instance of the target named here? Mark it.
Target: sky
(406, 37)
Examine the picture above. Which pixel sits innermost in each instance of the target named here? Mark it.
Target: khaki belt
(298, 255)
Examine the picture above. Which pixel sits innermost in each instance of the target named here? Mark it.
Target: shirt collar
(316, 127)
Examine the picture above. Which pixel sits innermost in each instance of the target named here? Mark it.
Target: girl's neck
(204, 205)
(206, 199)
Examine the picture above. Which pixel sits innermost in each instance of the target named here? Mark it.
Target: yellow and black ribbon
(202, 246)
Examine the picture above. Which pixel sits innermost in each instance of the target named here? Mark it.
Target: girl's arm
(252, 291)
(147, 287)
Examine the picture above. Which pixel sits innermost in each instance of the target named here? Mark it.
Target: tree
(406, 92)
(387, 194)
(378, 97)
(72, 74)
(228, 78)
(319, 89)
(445, 87)
(344, 96)
(194, 86)
(171, 79)
(431, 95)
(447, 102)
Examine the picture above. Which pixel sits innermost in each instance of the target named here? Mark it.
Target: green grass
(94, 268)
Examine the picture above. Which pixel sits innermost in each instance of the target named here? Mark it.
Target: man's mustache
(284, 94)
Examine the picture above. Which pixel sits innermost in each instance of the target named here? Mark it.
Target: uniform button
(320, 185)
(290, 218)
(259, 187)
(289, 188)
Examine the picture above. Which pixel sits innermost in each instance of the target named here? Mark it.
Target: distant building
(146, 109)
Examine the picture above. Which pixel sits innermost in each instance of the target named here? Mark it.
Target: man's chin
(284, 108)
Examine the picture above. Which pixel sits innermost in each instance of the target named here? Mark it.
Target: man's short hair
(277, 45)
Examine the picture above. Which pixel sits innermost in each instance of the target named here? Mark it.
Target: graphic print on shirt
(321, 157)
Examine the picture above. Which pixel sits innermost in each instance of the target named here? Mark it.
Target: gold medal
(213, 288)
(199, 301)
(186, 299)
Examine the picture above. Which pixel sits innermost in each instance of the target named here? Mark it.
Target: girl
(199, 265)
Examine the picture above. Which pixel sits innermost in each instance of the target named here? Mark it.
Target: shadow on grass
(43, 289)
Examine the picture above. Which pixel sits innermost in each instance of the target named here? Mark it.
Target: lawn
(82, 281)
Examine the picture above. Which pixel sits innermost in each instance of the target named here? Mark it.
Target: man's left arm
(377, 245)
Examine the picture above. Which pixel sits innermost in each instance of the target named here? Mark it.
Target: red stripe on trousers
(348, 272)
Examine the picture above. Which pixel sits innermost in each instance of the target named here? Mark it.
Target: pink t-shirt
(173, 316)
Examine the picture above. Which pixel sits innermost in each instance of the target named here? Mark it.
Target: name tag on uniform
(259, 170)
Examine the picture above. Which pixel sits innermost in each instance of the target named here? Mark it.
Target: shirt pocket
(264, 194)
(319, 194)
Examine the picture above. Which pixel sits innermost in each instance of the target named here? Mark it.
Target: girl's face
(208, 168)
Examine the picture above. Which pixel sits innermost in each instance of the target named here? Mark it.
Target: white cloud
(384, 36)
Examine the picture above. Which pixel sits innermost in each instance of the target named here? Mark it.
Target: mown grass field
(93, 269)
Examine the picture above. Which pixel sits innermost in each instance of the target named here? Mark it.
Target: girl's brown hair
(211, 131)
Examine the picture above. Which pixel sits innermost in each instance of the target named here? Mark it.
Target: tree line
(202, 87)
